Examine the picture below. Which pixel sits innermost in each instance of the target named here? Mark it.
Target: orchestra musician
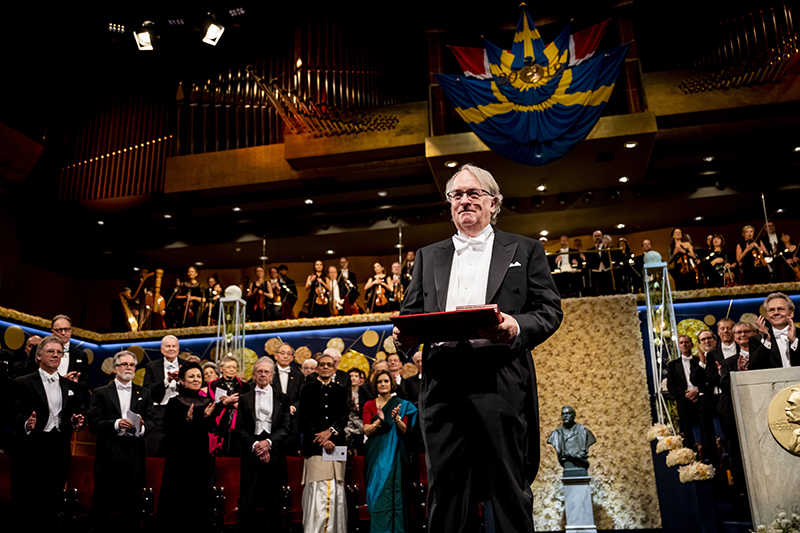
(377, 291)
(212, 293)
(786, 262)
(190, 296)
(718, 263)
(348, 287)
(407, 268)
(682, 262)
(259, 298)
(751, 256)
(319, 291)
(397, 293)
(288, 293)
(336, 302)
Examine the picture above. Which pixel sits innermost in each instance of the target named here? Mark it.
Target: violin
(380, 292)
(399, 293)
(758, 257)
(730, 278)
(321, 297)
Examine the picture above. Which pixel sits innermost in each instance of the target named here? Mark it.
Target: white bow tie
(462, 242)
(126, 388)
(781, 332)
(284, 370)
(52, 379)
(261, 391)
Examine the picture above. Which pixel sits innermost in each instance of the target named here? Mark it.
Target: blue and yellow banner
(537, 106)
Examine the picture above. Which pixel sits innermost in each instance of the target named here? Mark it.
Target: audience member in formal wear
(386, 420)
(395, 368)
(707, 343)
(288, 293)
(309, 367)
(778, 335)
(598, 262)
(288, 380)
(718, 263)
(161, 377)
(409, 388)
(319, 292)
(188, 469)
(323, 416)
(30, 364)
(354, 431)
(121, 413)
(47, 409)
(211, 372)
(337, 299)
(407, 268)
(686, 394)
(262, 430)
(682, 261)
(724, 349)
(259, 298)
(786, 260)
(234, 387)
(377, 290)
(340, 376)
(348, 286)
(74, 365)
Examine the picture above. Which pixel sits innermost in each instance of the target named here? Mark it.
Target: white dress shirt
(782, 338)
(124, 395)
(728, 350)
(263, 409)
(469, 275)
(687, 372)
(63, 365)
(565, 261)
(283, 376)
(52, 389)
(171, 386)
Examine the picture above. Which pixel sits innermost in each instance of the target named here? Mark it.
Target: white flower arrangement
(669, 443)
(658, 430)
(783, 523)
(681, 456)
(695, 472)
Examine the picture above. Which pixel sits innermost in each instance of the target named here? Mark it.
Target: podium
(771, 470)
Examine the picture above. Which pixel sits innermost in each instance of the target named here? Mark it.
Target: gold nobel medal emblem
(784, 419)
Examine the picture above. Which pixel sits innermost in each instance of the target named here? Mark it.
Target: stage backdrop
(595, 364)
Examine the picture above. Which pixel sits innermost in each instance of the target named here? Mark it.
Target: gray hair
(228, 359)
(117, 356)
(486, 180)
(60, 317)
(165, 337)
(285, 344)
(310, 361)
(332, 352)
(265, 361)
(747, 325)
(775, 296)
(211, 364)
(50, 339)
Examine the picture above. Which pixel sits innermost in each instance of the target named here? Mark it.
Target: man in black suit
(47, 409)
(120, 414)
(30, 364)
(598, 262)
(262, 428)
(340, 376)
(409, 388)
(161, 377)
(74, 364)
(288, 293)
(778, 347)
(687, 395)
(288, 380)
(348, 285)
(481, 428)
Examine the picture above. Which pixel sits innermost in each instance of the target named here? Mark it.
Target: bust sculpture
(572, 441)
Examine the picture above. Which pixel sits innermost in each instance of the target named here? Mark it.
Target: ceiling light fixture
(237, 209)
(145, 36)
(542, 186)
(631, 144)
(698, 219)
(263, 258)
(237, 249)
(451, 164)
(708, 158)
(779, 211)
(620, 226)
(383, 194)
(199, 263)
(797, 148)
(544, 233)
(623, 179)
(100, 222)
(543, 239)
(212, 30)
(330, 252)
(309, 201)
(167, 216)
(136, 269)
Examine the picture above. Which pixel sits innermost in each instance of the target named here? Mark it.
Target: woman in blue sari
(386, 419)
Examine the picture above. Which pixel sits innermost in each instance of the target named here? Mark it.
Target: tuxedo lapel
(442, 264)
(276, 407)
(112, 393)
(502, 253)
(250, 400)
(38, 386)
(64, 386)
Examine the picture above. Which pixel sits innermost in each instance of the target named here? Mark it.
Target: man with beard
(120, 414)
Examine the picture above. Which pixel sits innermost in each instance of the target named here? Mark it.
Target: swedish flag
(536, 107)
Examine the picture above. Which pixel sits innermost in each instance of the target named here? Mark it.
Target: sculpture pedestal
(578, 504)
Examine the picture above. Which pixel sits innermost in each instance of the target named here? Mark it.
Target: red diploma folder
(459, 325)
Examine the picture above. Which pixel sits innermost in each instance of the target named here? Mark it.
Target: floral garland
(659, 430)
(695, 472)
(783, 523)
(669, 443)
(681, 456)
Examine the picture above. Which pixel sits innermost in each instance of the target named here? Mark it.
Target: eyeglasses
(53, 352)
(132, 365)
(61, 330)
(472, 194)
(326, 365)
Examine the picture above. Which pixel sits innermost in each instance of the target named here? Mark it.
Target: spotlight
(167, 216)
(544, 233)
(698, 219)
(537, 201)
(145, 36)
(631, 144)
(330, 252)
(708, 158)
(451, 164)
(620, 226)
(543, 239)
(100, 222)
(116, 28)
(237, 249)
(309, 201)
(588, 197)
(235, 12)
(136, 269)
(212, 30)
(797, 148)
(623, 179)
(263, 258)
(779, 211)
(237, 209)
(542, 186)
(562, 198)
(383, 194)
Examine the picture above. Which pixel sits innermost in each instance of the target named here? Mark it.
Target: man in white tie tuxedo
(288, 380)
(120, 414)
(481, 428)
(262, 429)
(47, 409)
(778, 335)
(161, 377)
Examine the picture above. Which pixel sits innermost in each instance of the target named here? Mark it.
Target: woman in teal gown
(386, 420)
